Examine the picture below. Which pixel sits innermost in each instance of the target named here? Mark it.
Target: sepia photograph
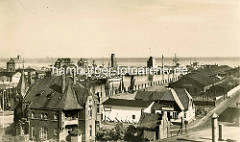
(119, 70)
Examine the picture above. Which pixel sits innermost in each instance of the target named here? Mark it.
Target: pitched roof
(184, 97)
(46, 94)
(28, 69)
(22, 85)
(202, 79)
(151, 95)
(178, 95)
(127, 103)
(7, 73)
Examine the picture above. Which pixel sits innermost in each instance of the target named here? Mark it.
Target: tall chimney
(63, 83)
(29, 78)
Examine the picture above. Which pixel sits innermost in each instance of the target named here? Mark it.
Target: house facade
(176, 102)
(59, 108)
(125, 111)
(10, 78)
(15, 63)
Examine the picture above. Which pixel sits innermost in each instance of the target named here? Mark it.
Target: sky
(128, 28)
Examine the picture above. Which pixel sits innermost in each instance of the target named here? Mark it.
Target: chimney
(29, 78)
(63, 83)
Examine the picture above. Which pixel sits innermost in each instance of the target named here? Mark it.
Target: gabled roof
(46, 94)
(127, 103)
(178, 95)
(184, 97)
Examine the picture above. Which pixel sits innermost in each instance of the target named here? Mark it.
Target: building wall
(90, 131)
(36, 123)
(122, 113)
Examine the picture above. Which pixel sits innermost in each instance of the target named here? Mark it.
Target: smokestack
(63, 83)
(29, 78)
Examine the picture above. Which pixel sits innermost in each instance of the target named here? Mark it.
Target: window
(90, 130)
(45, 116)
(133, 117)
(32, 132)
(175, 115)
(69, 130)
(33, 115)
(55, 116)
(43, 133)
(90, 101)
(90, 111)
(55, 132)
(107, 108)
(42, 115)
(98, 108)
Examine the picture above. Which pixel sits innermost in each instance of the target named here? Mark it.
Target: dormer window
(40, 93)
(49, 96)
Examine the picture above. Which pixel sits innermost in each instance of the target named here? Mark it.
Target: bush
(133, 134)
(117, 133)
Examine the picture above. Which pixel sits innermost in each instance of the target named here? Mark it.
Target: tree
(133, 134)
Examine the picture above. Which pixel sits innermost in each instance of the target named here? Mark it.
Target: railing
(70, 121)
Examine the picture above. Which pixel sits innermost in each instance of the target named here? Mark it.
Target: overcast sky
(96, 28)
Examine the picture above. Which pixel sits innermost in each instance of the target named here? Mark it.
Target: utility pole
(3, 109)
(162, 70)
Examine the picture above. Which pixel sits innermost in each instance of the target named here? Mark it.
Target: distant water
(45, 62)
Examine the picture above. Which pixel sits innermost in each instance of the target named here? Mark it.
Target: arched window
(90, 111)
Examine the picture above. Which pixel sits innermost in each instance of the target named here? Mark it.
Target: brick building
(59, 108)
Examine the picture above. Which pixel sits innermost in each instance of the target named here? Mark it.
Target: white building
(10, 78)
(126, 111)
(177, 102)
